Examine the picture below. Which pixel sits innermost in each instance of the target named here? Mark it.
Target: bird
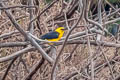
(113, 29)
(55, 35)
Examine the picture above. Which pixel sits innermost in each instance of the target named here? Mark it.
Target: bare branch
(44, 10)
(67, 36)
(34, 69)
(31, 26)
(8, 68)
(16, 54)
(33, 42)
(13, 44)
(17, 6)
(8, 34)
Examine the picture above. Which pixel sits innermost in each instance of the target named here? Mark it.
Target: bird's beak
(65, 28)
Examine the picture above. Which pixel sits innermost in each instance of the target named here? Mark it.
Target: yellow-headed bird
(54, 35)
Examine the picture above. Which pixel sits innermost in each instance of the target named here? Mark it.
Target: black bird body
(115, 29)
(54, 35)
(50, 35)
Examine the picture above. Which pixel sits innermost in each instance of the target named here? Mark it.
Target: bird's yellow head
(60, 29)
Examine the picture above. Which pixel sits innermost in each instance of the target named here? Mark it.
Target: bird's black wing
(50, 35)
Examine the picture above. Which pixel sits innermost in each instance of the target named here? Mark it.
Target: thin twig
(16, 54)
(17, 18)
(8, 68)
(13, 44)
(27, 36)
(91, 59)
(18, 6)
(66, 20)
(69, 57)
(77, 41)
(5, 35)
(31, 26)
(99, 17)
(50, 5)
(113, 77)
(35, 68)
(88, 43)
(67, 36)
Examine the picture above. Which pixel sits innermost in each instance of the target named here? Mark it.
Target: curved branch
(16, 54)
(64, 43)
(27, 36)
(8, 68)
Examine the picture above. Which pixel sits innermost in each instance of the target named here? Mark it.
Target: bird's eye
(62, 29)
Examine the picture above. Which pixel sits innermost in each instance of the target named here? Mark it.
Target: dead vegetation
(84, 53)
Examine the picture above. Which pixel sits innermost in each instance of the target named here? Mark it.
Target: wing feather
(50, 35)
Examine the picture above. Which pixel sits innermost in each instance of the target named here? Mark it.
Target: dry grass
(78, 61)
